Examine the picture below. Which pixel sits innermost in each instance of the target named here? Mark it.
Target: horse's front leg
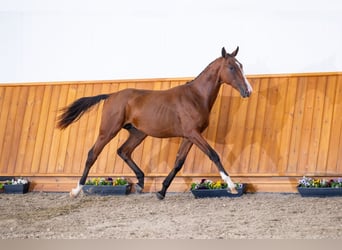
(200, 142)
(181, 156)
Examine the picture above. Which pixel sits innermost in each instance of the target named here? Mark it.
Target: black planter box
(16, 189)
(210, 193)
(319, 192)
(107, 190)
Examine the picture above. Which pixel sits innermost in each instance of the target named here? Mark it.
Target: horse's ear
(234, 53)
(223, 52)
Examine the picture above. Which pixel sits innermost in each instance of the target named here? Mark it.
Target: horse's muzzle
(245, 93)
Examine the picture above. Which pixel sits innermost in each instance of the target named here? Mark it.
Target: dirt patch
(179, 216)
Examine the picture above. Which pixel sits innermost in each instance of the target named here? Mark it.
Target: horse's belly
(159, 130)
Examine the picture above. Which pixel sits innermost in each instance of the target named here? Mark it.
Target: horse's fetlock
(160, 195)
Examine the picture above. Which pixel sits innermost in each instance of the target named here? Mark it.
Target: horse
(182, 111)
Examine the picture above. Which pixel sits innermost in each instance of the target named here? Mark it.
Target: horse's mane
(204, 70)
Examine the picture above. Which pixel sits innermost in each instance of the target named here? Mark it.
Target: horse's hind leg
(93, 153)
(181, 156)
(125, 152)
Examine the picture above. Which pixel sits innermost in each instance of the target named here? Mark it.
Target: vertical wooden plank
(338, 102)
(33, 131)
(41, 130)
(260, 92)
(70, 93)
(251, 119)
(6, 98)
(306, 130)
(316, 126)
(249, 130)
(336, 128)
(239, 124)
(268, 135)
(3, 116)
(21, 125)
(6, 153)
(50, 123)
(293, 166)
(326, 128)
(55, 166)
(287, 123)
(278, 103)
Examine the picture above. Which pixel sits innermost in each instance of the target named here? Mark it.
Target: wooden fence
(291, 126)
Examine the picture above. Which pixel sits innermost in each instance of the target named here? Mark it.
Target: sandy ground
(180, 216)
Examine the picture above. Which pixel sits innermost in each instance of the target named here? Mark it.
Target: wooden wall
(290, 126)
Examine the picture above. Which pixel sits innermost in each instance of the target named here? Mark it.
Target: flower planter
(17, 188)
(319, 192)
(107, 190)
(210, 193)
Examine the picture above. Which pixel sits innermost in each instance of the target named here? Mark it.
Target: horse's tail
(74, 111)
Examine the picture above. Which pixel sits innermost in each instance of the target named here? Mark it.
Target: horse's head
(232, 73)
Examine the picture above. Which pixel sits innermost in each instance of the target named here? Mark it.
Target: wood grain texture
(290, 126)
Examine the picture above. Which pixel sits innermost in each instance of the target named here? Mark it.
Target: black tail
(74, 111)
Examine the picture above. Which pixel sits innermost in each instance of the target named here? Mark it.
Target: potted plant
(207, 188)
(107, 186)
(317, 187)
(16, 186)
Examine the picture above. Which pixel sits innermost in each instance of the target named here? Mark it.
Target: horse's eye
(231, 68)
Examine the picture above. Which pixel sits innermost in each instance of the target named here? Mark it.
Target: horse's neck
(207, 83)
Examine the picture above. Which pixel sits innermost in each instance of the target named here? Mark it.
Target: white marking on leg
(231, 184)
(75, 191)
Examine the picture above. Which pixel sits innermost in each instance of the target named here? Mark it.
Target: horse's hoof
(160, 196)
(138, 188)
(233, 191)
(74, 193)
(71, 194)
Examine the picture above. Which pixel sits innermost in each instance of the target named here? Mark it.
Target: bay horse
(182, 111)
